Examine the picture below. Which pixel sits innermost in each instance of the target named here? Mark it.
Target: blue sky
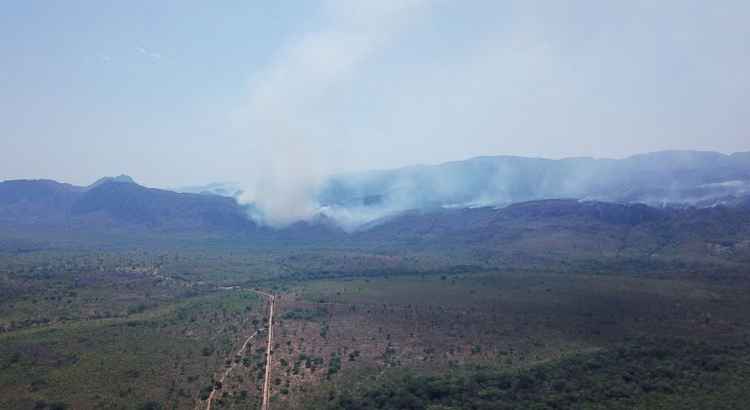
(278, 94)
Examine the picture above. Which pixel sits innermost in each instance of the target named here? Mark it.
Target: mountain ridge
(694, 179)
(115, 203)
(521, 235)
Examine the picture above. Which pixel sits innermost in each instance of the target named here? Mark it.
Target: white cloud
(149, 53)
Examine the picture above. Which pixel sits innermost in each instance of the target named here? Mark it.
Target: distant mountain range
(662, 179)
(669, 203)
(546, 233)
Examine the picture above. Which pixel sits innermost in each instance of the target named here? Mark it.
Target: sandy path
(267, 383)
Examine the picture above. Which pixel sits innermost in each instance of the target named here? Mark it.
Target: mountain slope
(115, 203)
(133, 204)
(36, 201)
(565, 231)
(662, 178)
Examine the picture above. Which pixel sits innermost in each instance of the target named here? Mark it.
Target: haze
(274, 96)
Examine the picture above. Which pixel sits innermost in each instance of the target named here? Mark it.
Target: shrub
(151, 405)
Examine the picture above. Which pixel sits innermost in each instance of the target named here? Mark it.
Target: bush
(205, 392)
(151, 405)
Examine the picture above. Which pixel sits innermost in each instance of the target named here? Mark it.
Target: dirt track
(229, 370)
(267, 382)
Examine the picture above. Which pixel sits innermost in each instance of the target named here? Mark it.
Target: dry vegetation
(335, 335)
(138, 330)
(93, 332)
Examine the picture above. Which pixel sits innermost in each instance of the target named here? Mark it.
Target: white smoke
(283, 113)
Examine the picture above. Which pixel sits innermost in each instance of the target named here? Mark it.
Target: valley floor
(137, 331)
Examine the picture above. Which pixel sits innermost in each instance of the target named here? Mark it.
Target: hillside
(675, 178)
(115, 204)
(565, 231)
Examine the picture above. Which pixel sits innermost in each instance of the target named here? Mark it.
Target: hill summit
(125, 179)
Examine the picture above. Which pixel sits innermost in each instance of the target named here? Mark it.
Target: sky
(276, 95)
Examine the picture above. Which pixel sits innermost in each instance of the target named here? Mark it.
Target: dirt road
(267, 383)
(229, 370)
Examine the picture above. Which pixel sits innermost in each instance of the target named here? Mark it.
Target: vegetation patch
(312, 314)
(648, 374)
